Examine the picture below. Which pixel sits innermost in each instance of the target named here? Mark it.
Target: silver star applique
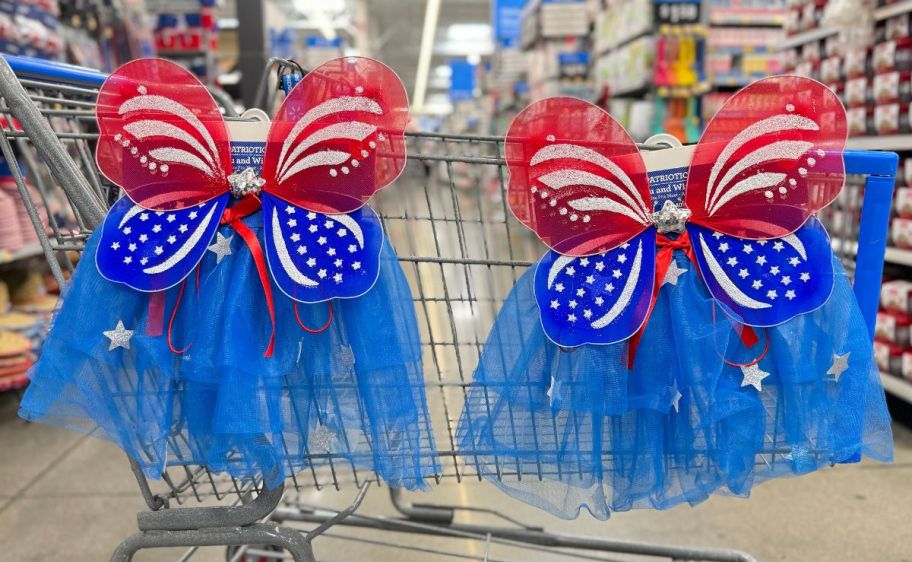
(676, 400)
(670, 218)
(320, 439)
(119, 336)
(672, 273)
(245, 182)
(753, 374)
(839, 366)
(554, 391)
(221, 247)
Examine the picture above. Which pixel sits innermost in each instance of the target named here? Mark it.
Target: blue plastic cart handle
(48, 71)
(880, 171)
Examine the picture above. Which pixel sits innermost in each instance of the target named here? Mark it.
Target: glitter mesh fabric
(356, 390)
(585, 433)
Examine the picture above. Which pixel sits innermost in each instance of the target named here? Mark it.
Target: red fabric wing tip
(162, 137)
(576, 177)
(338, 137)
(769, 159)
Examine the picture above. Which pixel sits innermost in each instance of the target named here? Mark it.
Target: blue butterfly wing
(598, 299)
(315, 257)
(154, 250)
(766, 282)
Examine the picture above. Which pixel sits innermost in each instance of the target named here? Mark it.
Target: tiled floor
(71, 498)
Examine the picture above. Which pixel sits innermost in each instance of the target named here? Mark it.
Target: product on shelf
(893, 327)
(896, 295)
(888, 357)
(902, 202)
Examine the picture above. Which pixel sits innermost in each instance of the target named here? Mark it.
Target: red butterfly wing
(162, 137)
(769, 159)
(338, 137)
(576, 177)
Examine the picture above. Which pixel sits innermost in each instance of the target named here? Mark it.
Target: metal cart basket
(461, 251)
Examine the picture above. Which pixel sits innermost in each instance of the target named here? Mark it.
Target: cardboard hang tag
(667, 170)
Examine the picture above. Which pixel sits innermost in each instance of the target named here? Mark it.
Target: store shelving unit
(882, 13)
(897, 387)
(886, 142)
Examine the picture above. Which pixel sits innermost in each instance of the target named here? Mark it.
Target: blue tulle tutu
(353, 393)
(573, 429)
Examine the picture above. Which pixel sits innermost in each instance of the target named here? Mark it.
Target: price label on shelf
(677, 12)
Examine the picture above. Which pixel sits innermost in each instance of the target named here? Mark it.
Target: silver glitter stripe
(181, 156)
(558, 266)
(168, 105)
(563, 178)
(353, 130)
(185, 249)
(285, 259)
(322, 158)
(351, 225)
(134, 210)
(754, 182)
(769, 125)
(153, 128)
(727, 285)
(328, 107)
(624, 298)
(796, 243)
(780, 150)
(555, 151)
(604, 204)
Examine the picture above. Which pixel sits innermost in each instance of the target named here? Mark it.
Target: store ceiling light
(428, 36)
(316, 13)
(469, 32)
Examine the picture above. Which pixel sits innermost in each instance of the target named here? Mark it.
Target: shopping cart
(462, 253)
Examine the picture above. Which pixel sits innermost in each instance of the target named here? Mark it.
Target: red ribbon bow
(665, 254)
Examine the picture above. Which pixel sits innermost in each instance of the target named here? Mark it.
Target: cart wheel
(231, 552)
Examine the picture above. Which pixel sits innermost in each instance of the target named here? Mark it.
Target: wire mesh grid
(458, 244)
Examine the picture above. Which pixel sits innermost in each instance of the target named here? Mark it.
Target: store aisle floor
(73, 498)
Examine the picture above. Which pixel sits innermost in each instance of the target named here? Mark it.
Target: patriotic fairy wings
(770, 158)
(337, 138)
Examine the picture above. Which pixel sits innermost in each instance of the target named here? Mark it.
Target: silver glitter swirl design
(626, 292)
(769, 125)
(335, 105)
